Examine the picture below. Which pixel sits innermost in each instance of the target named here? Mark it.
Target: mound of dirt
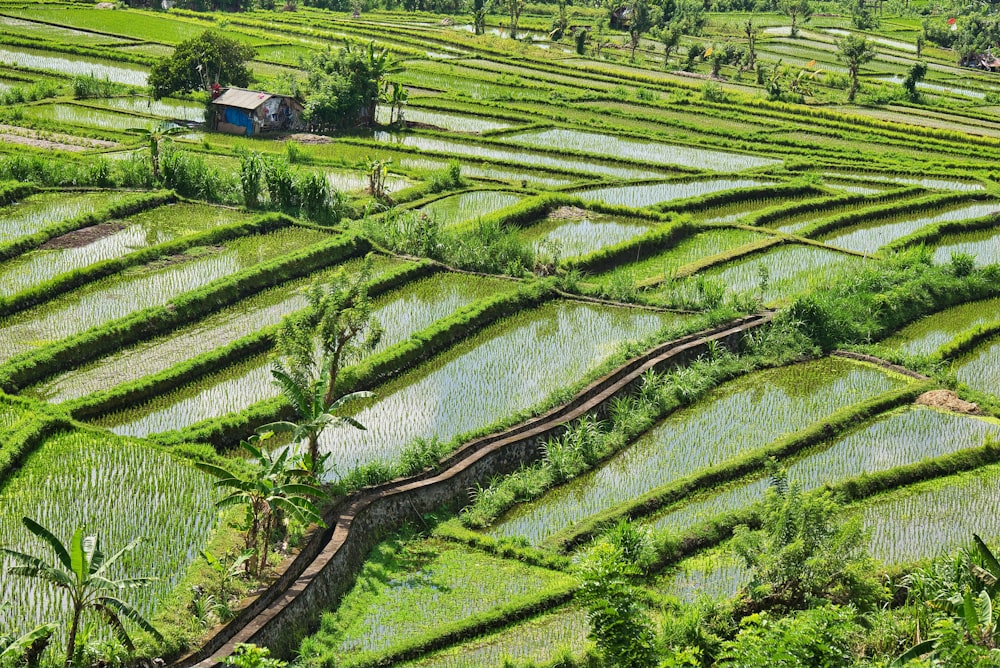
(569, 213)
(83, 236)
(949, 401)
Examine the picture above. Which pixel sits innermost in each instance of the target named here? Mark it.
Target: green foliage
(26, 650)
(197, 63)
(345, 87)
(87, 86)
(32, 93)
(251, 656)
(854, 51)
(274, 487)
(821, 637)
(622, 631)
(804, 554)
(85, 575)
(914, 76)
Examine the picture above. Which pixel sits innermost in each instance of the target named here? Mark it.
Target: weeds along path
(328, 565)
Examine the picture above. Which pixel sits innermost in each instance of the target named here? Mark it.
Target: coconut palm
(83, 572)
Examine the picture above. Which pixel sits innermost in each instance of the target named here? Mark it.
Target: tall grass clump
(36, 91)
(492, 246)
(87, 86)
(866, 304)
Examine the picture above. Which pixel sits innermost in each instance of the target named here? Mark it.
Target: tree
(622, 632)
(639, 22)
(796, 10)
(480, 8)
(514, 9)
(914, 76)
(803, 553)
(313, 347)
(83, 572)
(750, 30)
(346, 86)
(275, 484)
(855, 51)
(153, 137)
(196, 64)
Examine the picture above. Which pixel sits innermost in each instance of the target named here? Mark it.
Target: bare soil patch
(569, 213)
(83, 236)
(949, 401)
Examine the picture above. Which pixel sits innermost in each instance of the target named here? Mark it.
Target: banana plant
(26, 650)
(83, 572)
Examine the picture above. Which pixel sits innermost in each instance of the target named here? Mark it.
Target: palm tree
(309, 399)
(275, 484)
(855, 51)
(153, 136)
(83, 572)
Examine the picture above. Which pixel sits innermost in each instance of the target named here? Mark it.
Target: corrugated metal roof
(242, 99)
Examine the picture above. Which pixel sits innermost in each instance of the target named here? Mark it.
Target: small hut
(250, 112)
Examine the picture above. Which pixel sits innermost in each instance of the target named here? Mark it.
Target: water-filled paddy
(704, 244)
(401, 313)
(928, 334)
(141, 287)
(75, 65)
(446, 121)
(738, 417)
(629, 149)
(219, 329)
(427, 590)
(141, 492)
(984, 245)
(895, 439)
(927, 182)
(164, 108)
(980, 369)
(468, 206)
(654, 193)
(584, 235)
(76, 114)
(872, 236)
(80, 249)
(934, 518)
(353, 180)
(489, 172)
(535, 640)
(784, 271)
(37, 212)
(508, 155)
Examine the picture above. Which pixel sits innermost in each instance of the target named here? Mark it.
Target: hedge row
(134, 393)
(968, 340)
(42, 292)
(453, 531)
(766, 218)
(126, 207)
(933, 233)
(637, 248)
(912, 206)
(738, 195)
(737, 467)
(26, 435)
(34, 366)
(673, 548)
(467, 628)
(12, 191)
(226, 431)
(701, 264)
(524, 213)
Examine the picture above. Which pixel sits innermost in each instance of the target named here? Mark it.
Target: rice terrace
(441, 334)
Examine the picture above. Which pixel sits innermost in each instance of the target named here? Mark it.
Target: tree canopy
(345, 86)
(210, 58)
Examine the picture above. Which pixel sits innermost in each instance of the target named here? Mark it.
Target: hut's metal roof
(242, 98)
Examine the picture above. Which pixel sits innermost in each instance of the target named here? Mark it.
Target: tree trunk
(74, 627)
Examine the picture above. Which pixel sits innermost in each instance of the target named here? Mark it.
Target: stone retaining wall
(326, 568)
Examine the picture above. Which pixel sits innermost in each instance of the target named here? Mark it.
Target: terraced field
(547, 213)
